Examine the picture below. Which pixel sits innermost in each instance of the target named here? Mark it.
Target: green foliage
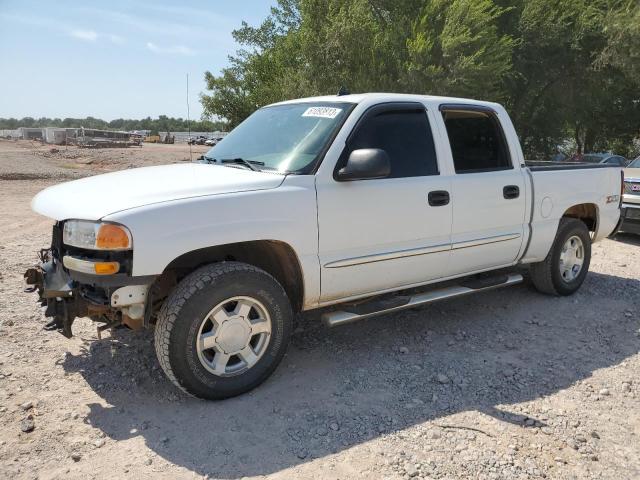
(163, 123)
(456, 50)
(567, 70)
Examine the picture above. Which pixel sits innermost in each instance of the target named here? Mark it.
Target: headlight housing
(96, 235)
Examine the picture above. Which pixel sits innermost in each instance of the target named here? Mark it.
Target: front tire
(567, 263)
(223, 330)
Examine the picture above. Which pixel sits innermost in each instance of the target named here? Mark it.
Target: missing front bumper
(111, 300)
(55, 292)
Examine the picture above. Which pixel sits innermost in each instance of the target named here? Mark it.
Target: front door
(381, 234)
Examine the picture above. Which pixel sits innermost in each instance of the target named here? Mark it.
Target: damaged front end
(67, 293)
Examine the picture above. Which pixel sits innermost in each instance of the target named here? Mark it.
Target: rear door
(488, 191)
(381, 234)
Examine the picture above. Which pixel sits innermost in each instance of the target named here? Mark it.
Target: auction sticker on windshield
(322, 112)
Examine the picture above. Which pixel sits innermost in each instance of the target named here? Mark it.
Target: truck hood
(95, 197)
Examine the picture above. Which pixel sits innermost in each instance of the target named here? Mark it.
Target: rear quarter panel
(554, 192)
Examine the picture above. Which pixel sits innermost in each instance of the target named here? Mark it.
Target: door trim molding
(381, 257)
(413, 252)
(485, 240)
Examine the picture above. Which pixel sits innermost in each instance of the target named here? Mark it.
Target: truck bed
(541, 166)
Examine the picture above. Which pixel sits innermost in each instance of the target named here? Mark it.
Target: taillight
(621, 187)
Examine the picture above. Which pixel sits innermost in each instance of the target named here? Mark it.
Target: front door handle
(511, 191)
(438, 198)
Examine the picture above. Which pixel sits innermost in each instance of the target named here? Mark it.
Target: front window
(284, 138)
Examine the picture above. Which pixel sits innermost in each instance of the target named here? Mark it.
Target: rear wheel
(223, 330)
(567, 263)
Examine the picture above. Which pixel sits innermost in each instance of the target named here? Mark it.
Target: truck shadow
(341, 387)
(628, 238)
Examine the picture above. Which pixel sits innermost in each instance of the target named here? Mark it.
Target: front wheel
(223, 330)
(567, 263)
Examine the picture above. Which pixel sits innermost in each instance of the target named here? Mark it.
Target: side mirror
(365, 163)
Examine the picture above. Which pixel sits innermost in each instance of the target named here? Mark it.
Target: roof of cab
(384, 97)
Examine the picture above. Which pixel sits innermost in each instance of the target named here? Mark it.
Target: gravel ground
(505, 384)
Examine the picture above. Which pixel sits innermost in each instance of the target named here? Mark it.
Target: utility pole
(189, 121)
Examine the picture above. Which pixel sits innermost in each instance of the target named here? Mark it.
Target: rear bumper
(630, 218)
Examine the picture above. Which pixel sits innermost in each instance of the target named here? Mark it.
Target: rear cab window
(477, 141)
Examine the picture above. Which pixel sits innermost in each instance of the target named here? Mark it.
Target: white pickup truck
(356, 204)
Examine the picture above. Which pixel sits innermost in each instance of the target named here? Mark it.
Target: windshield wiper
(241, 161)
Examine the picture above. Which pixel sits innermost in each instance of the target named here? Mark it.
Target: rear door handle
(438, 198)
(511, 191)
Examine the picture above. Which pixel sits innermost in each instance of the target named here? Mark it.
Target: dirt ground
(504, 384)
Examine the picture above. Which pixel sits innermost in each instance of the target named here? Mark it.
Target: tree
(565, 69)
(456, 49)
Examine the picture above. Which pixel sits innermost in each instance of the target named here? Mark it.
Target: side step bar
(368, 309)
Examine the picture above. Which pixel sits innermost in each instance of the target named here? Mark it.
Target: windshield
(283, 138)
(635, 163)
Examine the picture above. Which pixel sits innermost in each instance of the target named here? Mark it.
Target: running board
(379, 307)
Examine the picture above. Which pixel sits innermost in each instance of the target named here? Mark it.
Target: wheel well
(587, 212)
(274, 257)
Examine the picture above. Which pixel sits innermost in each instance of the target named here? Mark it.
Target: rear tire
(567, 263)
(223, 330)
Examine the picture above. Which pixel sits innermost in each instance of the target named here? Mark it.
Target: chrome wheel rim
(571, 258)
(233, 336)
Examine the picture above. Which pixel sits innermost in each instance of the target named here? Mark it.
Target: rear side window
(406, 137)
(477, 141)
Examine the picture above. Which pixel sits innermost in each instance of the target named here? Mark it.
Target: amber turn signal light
(111, 237)
(92, 268)
(106, 268)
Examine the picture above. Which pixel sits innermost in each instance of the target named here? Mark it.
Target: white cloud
(176, 49)
(93, 36)
(86, 35)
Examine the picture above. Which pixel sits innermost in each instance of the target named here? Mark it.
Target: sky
(114, 59)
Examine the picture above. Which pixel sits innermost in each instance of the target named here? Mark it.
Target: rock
(148, 461)
(604, 392)
(26, 406)
(403, 350)
(442, 378)
(626, 387)
(323, 432)
(99, 443)
(595, 434)
(412, 470)
(27, 424)
(75, 456)
(334, 426)
(547, 430)
(434, 434)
